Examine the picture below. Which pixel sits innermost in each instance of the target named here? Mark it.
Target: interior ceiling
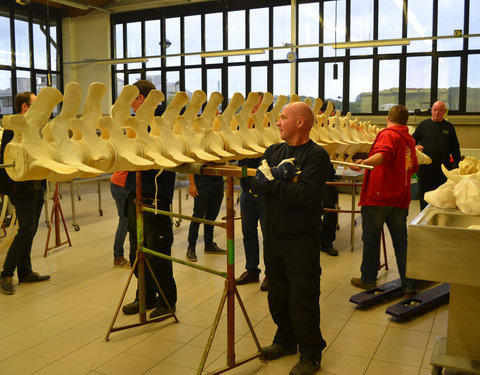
(111, 6)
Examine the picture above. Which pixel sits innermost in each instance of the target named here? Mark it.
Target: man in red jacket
(385, 197)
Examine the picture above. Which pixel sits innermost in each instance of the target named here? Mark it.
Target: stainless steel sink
(453, 219)
(441, 248)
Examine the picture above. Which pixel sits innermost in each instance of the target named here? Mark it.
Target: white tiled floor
(58, 327)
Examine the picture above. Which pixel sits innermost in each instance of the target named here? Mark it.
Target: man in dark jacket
(27, 198)
(435, 137)
(293, 190)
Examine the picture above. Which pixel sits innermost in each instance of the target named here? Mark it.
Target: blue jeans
(28, 211)
(252, 210)
(206, 206)
(120, 195)
(373, 218)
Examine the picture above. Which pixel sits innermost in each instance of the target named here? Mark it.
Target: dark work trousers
(293, 292)
(205, 206)
(330, 219)
(157, 236)
(430, 177)
(28, 211)
(252, 210)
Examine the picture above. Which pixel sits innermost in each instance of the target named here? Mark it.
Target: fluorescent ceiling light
(373, 43)
(109, 61)
(235, 52)
(121, 61)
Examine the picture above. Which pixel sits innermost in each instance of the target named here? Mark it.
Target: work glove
(263, 174)
(285, 171)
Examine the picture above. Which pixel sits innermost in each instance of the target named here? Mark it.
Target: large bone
(191, 138)
(422, 158)
(212, 142)
(266, 138)
(56, 134)
(334, 147)
(137, 130)
(249, 137)
(320, 135)
(125, 150)
(232, 139)
(333, 128)
(162, 131)
(85, 130)
(343, 129)
(272, 118)
(32, 157)
(317, 106)
(455, 176)
(468, 165)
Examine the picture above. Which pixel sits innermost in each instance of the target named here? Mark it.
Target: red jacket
(388, 184)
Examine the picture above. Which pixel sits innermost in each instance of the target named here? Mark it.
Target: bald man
(436, 137)
(293, 190)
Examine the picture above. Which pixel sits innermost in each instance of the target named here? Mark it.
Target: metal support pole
(140, 253)
(230, 275)
(293, 41)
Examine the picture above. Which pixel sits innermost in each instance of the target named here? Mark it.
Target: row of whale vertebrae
(125, 142)
(342, 137)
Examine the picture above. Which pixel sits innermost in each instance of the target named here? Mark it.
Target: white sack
(442, 197)
(467, 192)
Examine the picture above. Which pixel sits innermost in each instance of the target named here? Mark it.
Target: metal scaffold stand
(230, 291)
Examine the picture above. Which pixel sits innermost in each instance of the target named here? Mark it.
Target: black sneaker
(214, 249)
(34, 277)
(330, 250)
(161, 310)
(305, 366)
(191, 256)
(134, 307)
(6, 285)
(275, 351)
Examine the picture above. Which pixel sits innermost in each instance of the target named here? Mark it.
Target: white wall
(88, 37)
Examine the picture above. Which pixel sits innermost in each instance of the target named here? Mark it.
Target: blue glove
(285, 171)
(263, 173)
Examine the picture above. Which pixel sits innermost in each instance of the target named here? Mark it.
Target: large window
(370, 79)
(449, 81)
(419, 72)
(420, 18)
(450, 18)
(29, 52)
(388, 78)
(308, 28)
(334, 87)
(259, 26)
(473, 84)
(390, 23)
(361, 79)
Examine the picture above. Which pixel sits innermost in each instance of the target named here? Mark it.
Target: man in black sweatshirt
(293, 191)
(436, 138)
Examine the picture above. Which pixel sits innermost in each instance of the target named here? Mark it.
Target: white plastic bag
(442, 197)
(467, 193)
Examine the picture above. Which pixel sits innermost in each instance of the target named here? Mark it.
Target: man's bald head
(295, 123)
(438, 111)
